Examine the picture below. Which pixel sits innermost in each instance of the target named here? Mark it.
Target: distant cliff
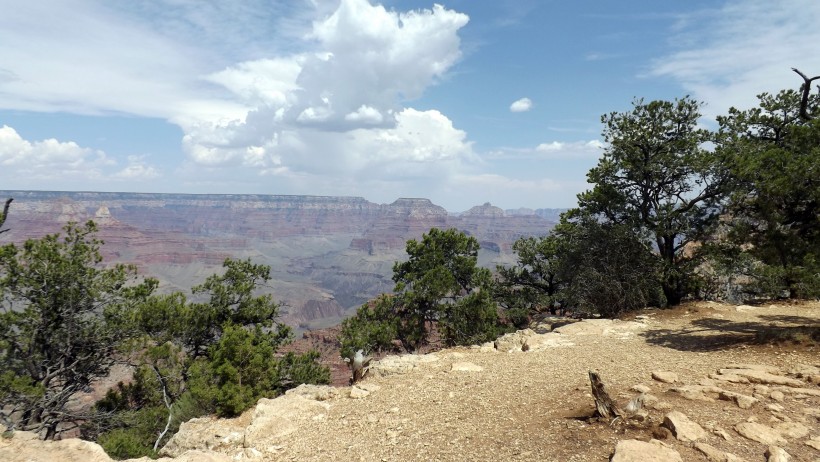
(320, 248)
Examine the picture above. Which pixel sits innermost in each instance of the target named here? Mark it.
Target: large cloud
(338, 107)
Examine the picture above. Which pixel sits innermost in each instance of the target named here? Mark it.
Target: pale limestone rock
(639, 451)
(742, 401)
(466, 367)
(203, 456)
(357, 392)
(777, 396)
(513, 341)
(760, 433)
(799, 391)
(602, 327)
(392, 365)
(206, 433)
(793, 430)
(805, 371)
(775, 408)
(777, 454)
(315, 392)
(814, 442)
(756, 376)
(714, 454)
(722, 433)
(640, 388)
(547, 341)
(274, 418)
(682, 427)
(27, 447)
(693, 392)
(756, 367)
(665, 376)
(488, 347)
(731, 378)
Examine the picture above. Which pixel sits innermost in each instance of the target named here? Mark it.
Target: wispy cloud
(745, 48)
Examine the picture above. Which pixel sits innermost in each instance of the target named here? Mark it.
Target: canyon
(328, 255)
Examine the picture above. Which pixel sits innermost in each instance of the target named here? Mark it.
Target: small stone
(760, 433)
(640, 388)
(777, 454)
(358, 393)
(665, 376)
(640, 451)
(682, 427)
(722, 433)
(742, 401)
(775, 408)
(814, 442)
(777, 396)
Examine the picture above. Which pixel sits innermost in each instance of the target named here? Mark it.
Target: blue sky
(464, 103)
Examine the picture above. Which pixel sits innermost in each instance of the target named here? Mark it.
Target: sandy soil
(536, 405)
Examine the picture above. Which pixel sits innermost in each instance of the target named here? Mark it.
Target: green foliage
(242, 367)
(604, 267)
(532, 285)
(60, 325)
(656, 177)
(193, 358)
(372, 329)
(774, 158)
(440, 283)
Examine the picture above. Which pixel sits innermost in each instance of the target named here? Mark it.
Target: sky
(464, 102)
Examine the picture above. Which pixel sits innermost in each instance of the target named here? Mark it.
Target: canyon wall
(328, 255)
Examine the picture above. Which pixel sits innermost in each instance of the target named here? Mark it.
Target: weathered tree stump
(605, 407)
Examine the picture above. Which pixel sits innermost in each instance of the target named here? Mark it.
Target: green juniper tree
(657, 177)
(61, 321)
(440, 284)
(774, 213)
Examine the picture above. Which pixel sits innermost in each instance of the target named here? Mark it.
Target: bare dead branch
(806, 89)
(604, 405)
(5, 214)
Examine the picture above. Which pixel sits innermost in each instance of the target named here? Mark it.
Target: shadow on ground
(710, 334)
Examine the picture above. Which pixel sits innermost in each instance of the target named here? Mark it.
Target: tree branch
(806, 88)
(5, 214)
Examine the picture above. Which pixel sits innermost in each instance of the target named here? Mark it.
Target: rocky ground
(718, 382)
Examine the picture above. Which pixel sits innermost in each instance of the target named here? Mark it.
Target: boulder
(714, 454)
(513, 341)
(27, 447)
(640, 451)
(682, 427)
(794, 430)
(760, 433)
(776, 454)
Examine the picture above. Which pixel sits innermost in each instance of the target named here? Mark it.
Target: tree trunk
(604, 405)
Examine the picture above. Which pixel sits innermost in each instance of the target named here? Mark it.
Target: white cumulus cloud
(521, 105)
